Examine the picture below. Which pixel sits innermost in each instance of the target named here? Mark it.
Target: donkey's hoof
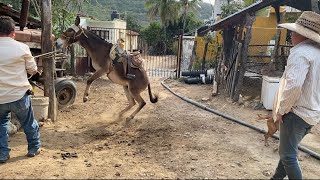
(85, 99)
(129, 118)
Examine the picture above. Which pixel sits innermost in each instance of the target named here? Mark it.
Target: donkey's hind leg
(141, 103)
(130, 100)
(95, 76)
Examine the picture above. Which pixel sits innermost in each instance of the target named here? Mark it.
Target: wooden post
(24, 14)
(180, 46)
(274, 62)
(48, 63)
(72, 60)
(204, 55)
(250, 18)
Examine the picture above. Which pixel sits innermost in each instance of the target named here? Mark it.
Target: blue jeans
(22, 108)
(292, 131)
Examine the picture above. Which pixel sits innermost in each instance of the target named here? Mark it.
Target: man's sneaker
(4, 158)
(33, 153)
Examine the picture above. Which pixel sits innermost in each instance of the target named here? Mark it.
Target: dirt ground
(169, 139)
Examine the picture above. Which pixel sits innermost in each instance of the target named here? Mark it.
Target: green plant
(231, 8)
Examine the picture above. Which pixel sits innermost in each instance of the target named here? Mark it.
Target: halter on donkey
(99, 50)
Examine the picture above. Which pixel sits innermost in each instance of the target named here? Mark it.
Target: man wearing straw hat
(298, 100)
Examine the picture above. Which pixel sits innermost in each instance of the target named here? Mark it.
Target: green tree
(230, 8)
(64, 13)
(188, 5)
(167, 10)
(155, 38)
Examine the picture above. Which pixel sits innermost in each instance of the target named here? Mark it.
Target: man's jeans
(292, 130)
(23, 110)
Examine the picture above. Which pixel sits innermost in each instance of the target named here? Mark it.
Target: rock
(205, 99)
(266, 173)
(12, 129)
(241, 99)
(239, 164)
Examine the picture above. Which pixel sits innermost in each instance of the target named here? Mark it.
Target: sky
(209, 1)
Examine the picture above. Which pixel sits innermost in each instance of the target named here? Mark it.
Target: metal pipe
(302, 148)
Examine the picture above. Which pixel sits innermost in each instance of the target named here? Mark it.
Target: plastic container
(269, 88)
(40, 105)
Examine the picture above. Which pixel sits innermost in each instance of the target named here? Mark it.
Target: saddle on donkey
(129, 60)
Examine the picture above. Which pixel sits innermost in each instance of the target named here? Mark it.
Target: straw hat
(307, 25)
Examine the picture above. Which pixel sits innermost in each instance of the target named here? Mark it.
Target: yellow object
(122, 45)
(264, 30)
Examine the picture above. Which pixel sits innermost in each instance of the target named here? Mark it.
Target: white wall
(188, 43)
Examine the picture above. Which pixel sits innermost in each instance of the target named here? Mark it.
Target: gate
(159, 61)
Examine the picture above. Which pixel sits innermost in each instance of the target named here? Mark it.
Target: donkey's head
(71, 35)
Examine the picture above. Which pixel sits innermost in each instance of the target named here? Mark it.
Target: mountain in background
(102, 9)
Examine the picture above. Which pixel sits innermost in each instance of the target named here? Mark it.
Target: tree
(64, 13)
(167, 10)
(132, 23)
(230, 8)
(154, 37)
(185, 6)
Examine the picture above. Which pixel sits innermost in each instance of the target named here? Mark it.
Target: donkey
(99, 50)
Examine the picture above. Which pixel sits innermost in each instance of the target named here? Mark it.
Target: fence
(158, 61)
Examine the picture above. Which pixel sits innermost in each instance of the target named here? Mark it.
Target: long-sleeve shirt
(300, 83)
(15, 62)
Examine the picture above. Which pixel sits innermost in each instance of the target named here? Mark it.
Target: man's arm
(295, 76)
(31, 65)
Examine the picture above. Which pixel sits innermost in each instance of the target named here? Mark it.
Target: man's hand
(279, 117)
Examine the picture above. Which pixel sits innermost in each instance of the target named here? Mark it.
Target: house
(112, 31)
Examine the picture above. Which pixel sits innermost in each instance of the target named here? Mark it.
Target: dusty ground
(170, 139)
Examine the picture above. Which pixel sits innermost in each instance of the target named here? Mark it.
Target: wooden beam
(48, 62)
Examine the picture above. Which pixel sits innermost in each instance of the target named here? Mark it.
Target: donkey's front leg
(95, 76)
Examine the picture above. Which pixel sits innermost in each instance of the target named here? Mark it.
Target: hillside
(103, 9)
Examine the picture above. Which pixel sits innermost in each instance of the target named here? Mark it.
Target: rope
(47, 54)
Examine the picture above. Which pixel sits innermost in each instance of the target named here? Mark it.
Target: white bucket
(40, 105)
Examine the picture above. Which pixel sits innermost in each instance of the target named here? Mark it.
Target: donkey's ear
(77, 21)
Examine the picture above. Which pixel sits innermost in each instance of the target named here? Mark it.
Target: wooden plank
(236, 70)
(48, 62)
(250, 18)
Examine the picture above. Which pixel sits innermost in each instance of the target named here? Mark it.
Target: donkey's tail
(152, 99)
